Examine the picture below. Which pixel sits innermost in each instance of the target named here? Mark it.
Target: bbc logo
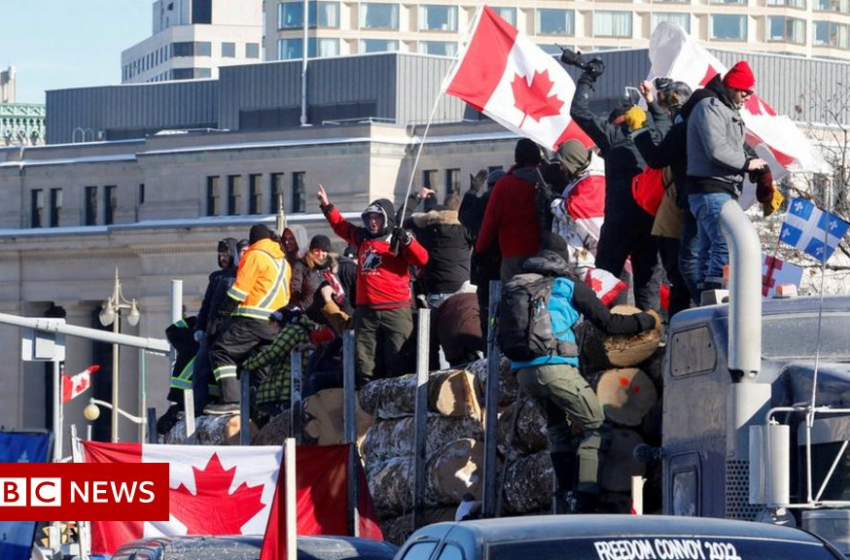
(30, 492)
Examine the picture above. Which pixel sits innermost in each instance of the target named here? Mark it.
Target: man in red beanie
(717, 162)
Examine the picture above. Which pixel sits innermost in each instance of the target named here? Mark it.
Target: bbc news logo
(85, 492)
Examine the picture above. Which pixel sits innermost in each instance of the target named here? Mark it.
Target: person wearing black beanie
(258, 232)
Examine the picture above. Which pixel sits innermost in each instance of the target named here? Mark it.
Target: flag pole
(290, 498)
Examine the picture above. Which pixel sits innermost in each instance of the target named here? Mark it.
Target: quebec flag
(805, 228)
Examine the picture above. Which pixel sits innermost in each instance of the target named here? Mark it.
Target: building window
(290, 15)
(555, 22)
(110, 197)
(234, 195)
(378, 16)
(781, 28)
(429, 179)
(727, 27)
(554, 50)
(55, 207)
(278, 192)
(288, 49)
(141, 193)
(203, 73)
(507, 14)
(202, 11)
(794, 3)
(682, 20)
(378, 45)
(831, 34)
(228, 50)
(439, 48)
(840, 6)
(201, 48)
(299, 191)
(91, 206)
(612, 24)
(252, 50)
(36, 208)
(437, 18)
(453, 181)
(255, 196)
(213, 196)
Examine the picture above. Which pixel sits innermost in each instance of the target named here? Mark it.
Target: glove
(592, 70)
(401, 237)
(763, 179)
(478, 181)
(652, 313)
(199, 336)
(635, 118)
(773, 204)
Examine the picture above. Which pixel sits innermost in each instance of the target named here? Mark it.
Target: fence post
(491, 404)
(151, 425)
(350, 429)
(295, 397)
(421, 415)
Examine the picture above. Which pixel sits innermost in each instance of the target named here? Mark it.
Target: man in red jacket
(382, 316)
(511, 215)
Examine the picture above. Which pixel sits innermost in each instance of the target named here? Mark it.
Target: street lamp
(110, 314)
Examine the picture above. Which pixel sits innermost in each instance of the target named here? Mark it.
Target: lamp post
(110, 314)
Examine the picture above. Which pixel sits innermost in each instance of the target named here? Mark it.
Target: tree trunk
(394, 438)
(626, 395)
(508, 386)
(525, 433)
(619, 465)
(324, 418)
(210, 430)
(600, 351)
(527, 484)
(397, 529)
(276, 431)
(450, 393)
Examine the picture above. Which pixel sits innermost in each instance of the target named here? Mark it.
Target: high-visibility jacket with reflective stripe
(262, 281)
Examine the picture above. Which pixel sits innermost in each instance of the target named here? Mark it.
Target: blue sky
(58, 44)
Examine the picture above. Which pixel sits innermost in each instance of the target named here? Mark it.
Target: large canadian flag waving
(514, 82)
(776, 138)
(215, 490)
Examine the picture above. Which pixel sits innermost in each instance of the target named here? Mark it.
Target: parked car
(247, 547)
(612, 537)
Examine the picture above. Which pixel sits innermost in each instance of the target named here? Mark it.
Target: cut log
(324, 418)
(210, 430)
(450, 393)
(630, 350)
(527, 433)
(626, 395)
(452, 471)
(508, 386)
(277, 430)
(394, 438)
(397, 529)
(527, 484)
(619, 464)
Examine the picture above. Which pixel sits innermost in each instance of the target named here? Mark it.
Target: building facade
(7, 85)
(192, 38)
(811, 28)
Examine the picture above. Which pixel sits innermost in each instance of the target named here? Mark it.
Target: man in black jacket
(627, 227)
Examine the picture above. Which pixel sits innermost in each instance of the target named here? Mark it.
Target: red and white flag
(503, 74)
(74, 385)
(215, 490)
(776, 138)
(606, 285)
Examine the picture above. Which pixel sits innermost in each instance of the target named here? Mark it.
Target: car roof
(771, 306)
(511, 529)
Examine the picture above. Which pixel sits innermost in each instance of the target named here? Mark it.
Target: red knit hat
(740, 77)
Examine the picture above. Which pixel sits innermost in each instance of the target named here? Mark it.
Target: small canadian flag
(73, 385)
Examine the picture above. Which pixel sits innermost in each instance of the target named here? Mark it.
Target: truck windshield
(795, 336)
(654, 548)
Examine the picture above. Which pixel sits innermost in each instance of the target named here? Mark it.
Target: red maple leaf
(596, 284)
(212, 509)
(533, 99)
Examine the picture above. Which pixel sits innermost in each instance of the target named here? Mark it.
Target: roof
(511, 529)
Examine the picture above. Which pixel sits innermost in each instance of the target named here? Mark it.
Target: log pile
(210, 430)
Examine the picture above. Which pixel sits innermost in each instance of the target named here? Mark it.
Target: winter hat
(618, 115)
(383, 207)
(320, 241)
(555, 243)
(226, 245)
(740, 77)
(350, 251)
(242, 244)
(494, 176)
(258, 232)
(573, 156)
(527, 153)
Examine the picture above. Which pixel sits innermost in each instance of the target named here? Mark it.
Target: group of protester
(556, 219)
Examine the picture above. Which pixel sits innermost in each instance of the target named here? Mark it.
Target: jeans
(689, 255)
(713, 251)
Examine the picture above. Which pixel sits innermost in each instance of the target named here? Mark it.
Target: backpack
(648, 189)
(525, 324)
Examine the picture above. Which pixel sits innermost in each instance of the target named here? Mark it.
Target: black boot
(229, 402)
(583, 502)
(564, 463)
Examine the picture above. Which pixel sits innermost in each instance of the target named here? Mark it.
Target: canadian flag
(215, 490)
(606, 285)
(776, 272)
(74, 385)
(506, 76)
(776, 138)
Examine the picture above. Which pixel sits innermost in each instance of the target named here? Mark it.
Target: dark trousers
(384, 342)
(232, 347)
(680, 296)
(624, 236)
